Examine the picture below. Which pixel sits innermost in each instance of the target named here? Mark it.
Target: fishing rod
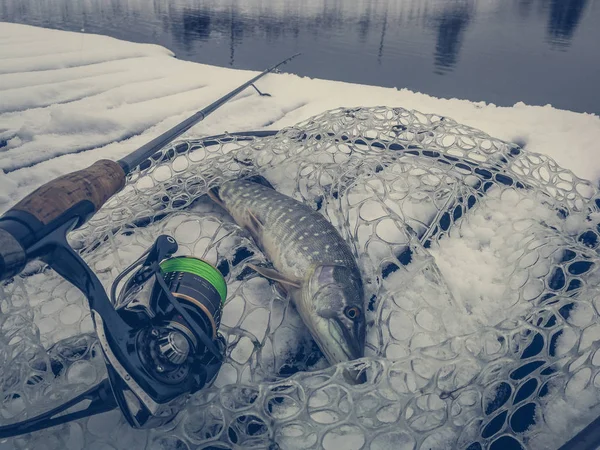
(80, 194)
(159, 331)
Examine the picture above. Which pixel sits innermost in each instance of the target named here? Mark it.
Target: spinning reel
(159, 335)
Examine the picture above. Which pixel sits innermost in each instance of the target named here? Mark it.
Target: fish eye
(352, 312)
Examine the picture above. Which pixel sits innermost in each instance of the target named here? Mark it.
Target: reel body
(173, 311)
(159, 336)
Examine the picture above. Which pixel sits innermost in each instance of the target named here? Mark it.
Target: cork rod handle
(97, 184)
(75, 195)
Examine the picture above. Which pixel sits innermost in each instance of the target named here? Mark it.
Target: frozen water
(480, 266)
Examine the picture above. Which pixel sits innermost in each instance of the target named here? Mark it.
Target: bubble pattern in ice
(399, 186)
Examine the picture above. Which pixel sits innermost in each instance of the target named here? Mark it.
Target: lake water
(499, 51)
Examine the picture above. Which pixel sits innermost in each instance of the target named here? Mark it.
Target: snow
(487, 244)
(6, 185)
(69, 99)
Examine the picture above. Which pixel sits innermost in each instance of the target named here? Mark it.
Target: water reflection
(432, 46)
(382, 40)
(364, 23)
(203, 23)
(451, 26)
(525, 7)
(565, 16)
(196, 25)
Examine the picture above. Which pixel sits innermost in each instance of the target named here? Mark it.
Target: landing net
(481, 271)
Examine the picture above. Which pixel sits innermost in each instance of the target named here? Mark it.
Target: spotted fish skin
(306, 249)
(294, 236)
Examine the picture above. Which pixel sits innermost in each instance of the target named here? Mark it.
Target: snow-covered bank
(68, 99)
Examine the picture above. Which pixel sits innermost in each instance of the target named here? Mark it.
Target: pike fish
(311, 261)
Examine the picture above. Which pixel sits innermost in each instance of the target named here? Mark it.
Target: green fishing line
(199, 268)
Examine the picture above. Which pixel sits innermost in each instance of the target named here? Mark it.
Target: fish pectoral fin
(255, 226)
(213, 194)
(274, 275)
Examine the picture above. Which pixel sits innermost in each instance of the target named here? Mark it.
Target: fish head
(333, 306)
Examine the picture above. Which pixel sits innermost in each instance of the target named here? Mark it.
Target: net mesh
(481, 274)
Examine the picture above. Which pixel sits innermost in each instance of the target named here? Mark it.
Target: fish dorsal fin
(254, 225)
(274, 275)
(259, 179)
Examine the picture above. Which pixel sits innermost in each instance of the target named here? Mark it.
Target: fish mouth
(335, 343)
(350, 345)
(321, 307)
(351, 349)
(355, 376)
(328, 342)
(338, 347)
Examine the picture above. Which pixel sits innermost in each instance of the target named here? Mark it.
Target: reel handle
(76, 195)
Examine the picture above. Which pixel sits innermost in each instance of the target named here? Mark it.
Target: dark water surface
(499, 51)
